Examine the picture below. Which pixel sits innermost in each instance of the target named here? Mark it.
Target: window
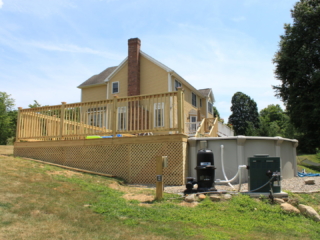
(193, 125)
(97, 116)
(200, 101)
(122, 118)
(159, 114)
(194, 99)
(210, 107)
(177, 84)
(115, 87)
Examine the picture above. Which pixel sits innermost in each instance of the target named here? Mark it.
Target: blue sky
(48, 48)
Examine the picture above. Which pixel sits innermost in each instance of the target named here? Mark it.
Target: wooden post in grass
(162, 161)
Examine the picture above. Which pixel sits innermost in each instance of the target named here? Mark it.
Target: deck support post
(180, 99)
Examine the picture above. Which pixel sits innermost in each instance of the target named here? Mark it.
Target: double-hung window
(194, 99)
(159, 114)
(115, 87)
(210, 107)
(177, 84)
(122, 118)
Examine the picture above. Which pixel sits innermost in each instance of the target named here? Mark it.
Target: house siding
(94, 93)
(153, 79)
(122, 77)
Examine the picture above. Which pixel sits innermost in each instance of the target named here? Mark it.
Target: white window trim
(192, 93)
(112, 87)
(158, 106)
(122, 110)
(179, 83)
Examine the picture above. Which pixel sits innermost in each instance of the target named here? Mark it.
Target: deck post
(114, 115)
(62, 119)
(18, 125)
(180, 99)
(161, 162)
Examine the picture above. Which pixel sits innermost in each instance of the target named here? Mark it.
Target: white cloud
(75, 49)
(1, 3)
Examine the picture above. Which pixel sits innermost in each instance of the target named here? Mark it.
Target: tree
(275, 122)
(298, 68)
(216, 112)
(35, 104)
(244, 115)
(6, 105)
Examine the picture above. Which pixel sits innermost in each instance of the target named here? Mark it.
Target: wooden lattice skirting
(133, 159)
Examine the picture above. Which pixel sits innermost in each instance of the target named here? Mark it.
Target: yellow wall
(153, 79)
(122, 77)
(94, 93)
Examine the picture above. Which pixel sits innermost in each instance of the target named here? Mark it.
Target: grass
(44, 202)
(302, 163)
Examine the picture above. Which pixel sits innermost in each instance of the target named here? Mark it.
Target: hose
(222, 165)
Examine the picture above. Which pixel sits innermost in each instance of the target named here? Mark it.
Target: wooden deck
(130, 158)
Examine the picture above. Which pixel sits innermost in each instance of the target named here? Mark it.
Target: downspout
(107, 90)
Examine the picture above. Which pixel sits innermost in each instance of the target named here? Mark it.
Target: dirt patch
(187, 204)
(139, 197)
(64, 173)
(6, 149)
(133, 193)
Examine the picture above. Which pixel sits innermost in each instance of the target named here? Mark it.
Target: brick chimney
(134, 66)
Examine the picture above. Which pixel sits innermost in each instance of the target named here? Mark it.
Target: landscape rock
(309, 211)
(227, 196)
(289, 208)
(190, 198)
(215, 198)
(309, 181)
(278, 200)
(201, 196)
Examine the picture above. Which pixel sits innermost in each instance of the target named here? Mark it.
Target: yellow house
(140, 74)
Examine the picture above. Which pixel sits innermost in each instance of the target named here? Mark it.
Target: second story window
(177, 84)
(194, 99)
(210, 107)
(115, 87)
(200, 102)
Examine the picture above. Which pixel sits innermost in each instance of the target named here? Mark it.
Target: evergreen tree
(244, 117)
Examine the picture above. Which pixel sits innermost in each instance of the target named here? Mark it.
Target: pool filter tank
(264, 173)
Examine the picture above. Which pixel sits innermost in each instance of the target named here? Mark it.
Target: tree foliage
(7, 122)
(275, 122)
(244, 117)
(298, 68)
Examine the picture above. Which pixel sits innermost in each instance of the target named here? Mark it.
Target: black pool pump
(205, 173)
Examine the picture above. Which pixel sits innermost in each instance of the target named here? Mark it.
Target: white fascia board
(194, 90)
(167, 69)
(116, 70)
(92, 85)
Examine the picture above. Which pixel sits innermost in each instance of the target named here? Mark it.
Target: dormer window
(177, 84)
(115, 87)
(194, 99)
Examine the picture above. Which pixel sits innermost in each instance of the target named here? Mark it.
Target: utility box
(262, 168)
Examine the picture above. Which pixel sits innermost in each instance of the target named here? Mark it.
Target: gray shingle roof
(98, 78)
(205, 92)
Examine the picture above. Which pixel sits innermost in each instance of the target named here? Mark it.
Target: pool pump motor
(205, 173)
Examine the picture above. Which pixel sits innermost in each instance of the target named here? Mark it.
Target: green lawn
(38, 201)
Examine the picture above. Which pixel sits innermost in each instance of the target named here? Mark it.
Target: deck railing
(130, 115)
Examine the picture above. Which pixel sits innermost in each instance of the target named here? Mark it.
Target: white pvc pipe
(224, 173)
(222, 165)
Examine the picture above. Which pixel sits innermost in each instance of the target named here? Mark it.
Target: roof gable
(97, 79)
